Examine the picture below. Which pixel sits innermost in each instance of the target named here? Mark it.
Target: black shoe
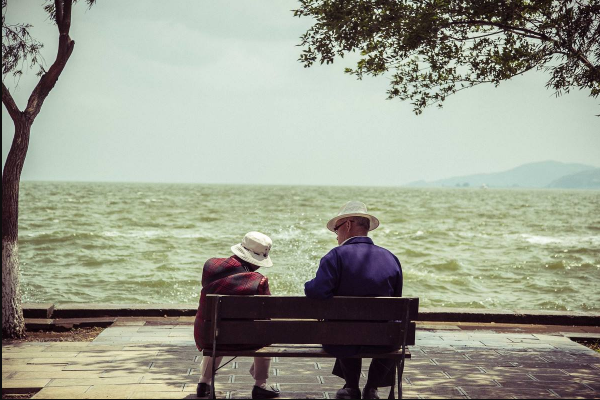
(370, 393)
(348, 393)
(260, 393)
(203, 390)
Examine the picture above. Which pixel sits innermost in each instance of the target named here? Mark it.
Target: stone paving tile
(445, 364)
(295, 372)
(98, 347)
(307, 387)
(24, 383)
(113, 339)
(316, 379)
(179, 355)
(476, 392)
(219, 386)
(72, 392)
(159, 395)
(48, 361)
(42, 354)
(154, 387)
(30, 368)
(171, 365)
(122, 373)
(171, 379)
(556, 376)
(57, 374)
(246, 394)
(128, 323)
(24, 350)
(431, 393)
(591, 384)
(85, 357)
(182, 333)
(584, 374)
(98, 381)
(97, 366)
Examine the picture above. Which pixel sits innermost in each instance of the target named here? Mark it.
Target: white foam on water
(571, 241)
(191, 236)
(540, 239)
(133, 234)
(155, 233)
(287, 234)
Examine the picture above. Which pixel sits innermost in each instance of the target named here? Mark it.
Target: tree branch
(65, 25)
(516, 29)
(533, 35)
(58, 6)
(474, 37)
(9, 103)
(581, 57)
(49, 79)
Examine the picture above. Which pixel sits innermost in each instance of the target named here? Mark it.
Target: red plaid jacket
(227, 276)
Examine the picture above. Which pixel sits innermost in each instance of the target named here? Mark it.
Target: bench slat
(307, 332)
(298, 351)
(299, 307)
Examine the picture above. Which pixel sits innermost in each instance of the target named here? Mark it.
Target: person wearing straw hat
(236, 275)
(357, 267)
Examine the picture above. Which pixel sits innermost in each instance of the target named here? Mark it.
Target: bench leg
(392, 395)
(400, 369)
(399, 366)
(213, 394)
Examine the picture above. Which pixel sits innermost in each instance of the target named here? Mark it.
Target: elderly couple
(355, 268)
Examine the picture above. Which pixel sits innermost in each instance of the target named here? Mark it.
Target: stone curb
(77, 310)
(509, 317)
(65, 324)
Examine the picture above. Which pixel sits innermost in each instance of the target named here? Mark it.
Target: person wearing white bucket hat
(357, 267)
(236, 275)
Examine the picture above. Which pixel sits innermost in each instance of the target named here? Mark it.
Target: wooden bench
(297, 326)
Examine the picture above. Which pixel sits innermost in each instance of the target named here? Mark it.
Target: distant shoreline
(407, 186)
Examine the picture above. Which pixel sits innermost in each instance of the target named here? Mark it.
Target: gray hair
(361, 221)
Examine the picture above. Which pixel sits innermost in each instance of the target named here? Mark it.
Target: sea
(141, 243)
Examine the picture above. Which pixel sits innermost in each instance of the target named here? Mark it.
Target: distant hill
(589, 179)
(533, 175)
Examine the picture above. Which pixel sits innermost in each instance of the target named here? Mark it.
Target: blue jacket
(357, 268)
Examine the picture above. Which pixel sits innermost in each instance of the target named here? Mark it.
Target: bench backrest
(380, 321)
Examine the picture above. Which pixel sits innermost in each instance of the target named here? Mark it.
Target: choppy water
(146, 243)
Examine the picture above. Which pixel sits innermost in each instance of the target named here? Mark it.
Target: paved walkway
(156, 358)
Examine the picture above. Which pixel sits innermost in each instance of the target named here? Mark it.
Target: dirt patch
(18, 396)
(593, 344)
(72, 335)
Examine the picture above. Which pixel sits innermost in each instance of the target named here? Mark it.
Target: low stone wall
(78, 310)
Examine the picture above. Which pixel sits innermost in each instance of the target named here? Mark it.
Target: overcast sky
(212, 92)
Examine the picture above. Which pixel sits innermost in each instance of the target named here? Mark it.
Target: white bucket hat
(254, 249)
(353, 209)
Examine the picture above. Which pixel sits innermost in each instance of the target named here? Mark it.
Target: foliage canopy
(434, 48)
(19, 48)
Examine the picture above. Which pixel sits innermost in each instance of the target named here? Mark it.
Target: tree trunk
(13, 324)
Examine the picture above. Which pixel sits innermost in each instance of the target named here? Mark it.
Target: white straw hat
(254, 249)
(353, 209)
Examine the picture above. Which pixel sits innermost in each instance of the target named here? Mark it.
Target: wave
(565, 240)
(147, 243)
(157, 234)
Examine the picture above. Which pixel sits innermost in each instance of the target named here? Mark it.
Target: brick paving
(148, 358)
